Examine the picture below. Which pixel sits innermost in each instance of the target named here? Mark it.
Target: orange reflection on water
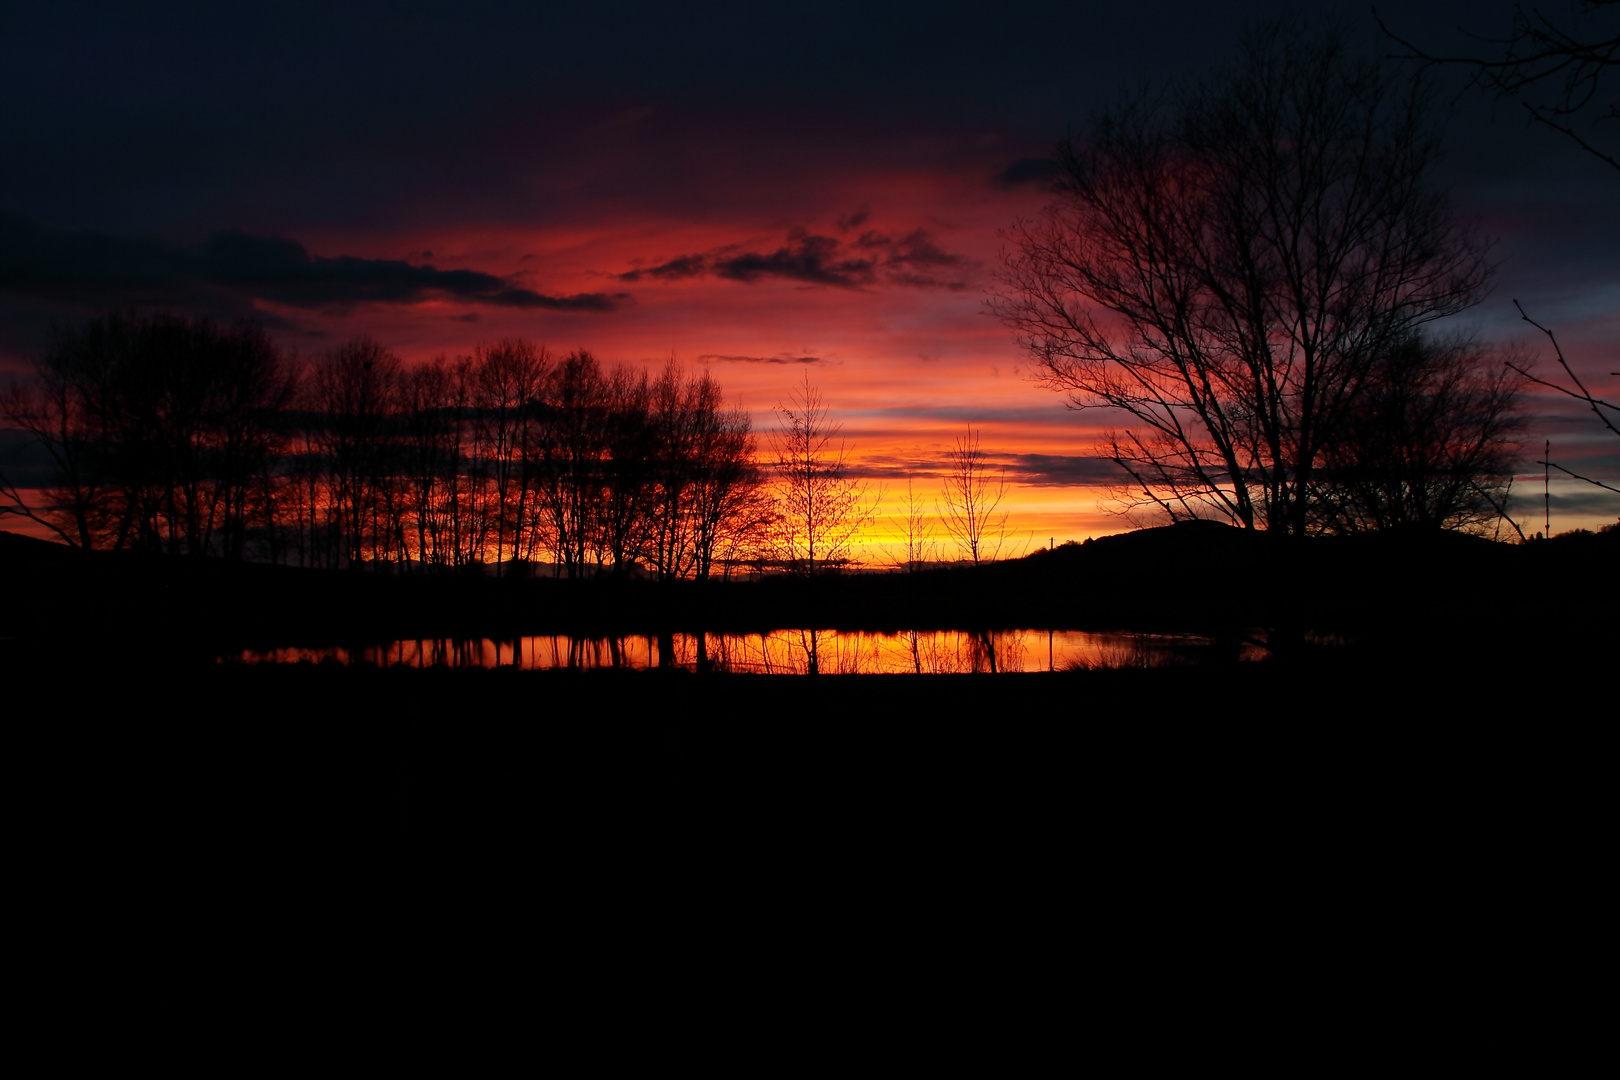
(782, 652)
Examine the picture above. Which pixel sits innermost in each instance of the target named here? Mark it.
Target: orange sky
(905, 369)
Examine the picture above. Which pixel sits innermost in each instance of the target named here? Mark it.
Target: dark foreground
(990, 866)
(1426, 808)
(360, 770)
(1195, 577)
(1478, 682)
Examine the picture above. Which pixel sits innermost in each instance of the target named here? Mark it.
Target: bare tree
(169, 434)
(674, 432)
(973, 497)
(66, 409)
(821, 508)
(705, 498)
(509, 378)
(252, 388)
(746, 535)
(916, 530)
(431, 435)
(726, 507)
(572, 449)
(627, 469)
(1554, 70)
(1432, 443)
(1224, 265)
(160, 430)
(354, 388)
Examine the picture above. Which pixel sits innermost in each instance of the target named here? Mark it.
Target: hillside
(1202, 577)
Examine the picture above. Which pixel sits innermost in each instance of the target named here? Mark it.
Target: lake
(786, 652)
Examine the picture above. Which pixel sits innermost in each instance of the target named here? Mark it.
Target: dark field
(1452, 736)
(225, 842)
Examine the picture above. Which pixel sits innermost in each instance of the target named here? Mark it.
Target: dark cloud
(917, 248)
(917, 260)
(1037, 172)
(1574, 500)
(780, 358)
(873, 258)
(103, 269)
(684, 267)
(1044, 413)
(805, 257)
(1037, 470)
(1063, 470)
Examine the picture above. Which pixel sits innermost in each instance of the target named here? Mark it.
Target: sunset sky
(762, 190)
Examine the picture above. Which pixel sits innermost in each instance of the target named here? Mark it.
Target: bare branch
(1501, 510)
(19, 508)
(1584, 394)
(1578, 476)
(1538, 54)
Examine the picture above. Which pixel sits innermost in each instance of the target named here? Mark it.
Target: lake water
(784, 652)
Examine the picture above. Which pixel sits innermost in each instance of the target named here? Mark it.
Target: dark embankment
(308, 817)
(1399, 591)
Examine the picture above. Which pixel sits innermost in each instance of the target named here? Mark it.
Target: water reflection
(786, 652)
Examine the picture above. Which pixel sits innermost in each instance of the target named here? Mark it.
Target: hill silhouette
(1204, 577)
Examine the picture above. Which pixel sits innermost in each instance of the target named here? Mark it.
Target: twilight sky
(765, 191)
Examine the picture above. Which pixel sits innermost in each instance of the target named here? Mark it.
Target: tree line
(175, 435)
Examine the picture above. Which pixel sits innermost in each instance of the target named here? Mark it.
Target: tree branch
(1578, 476)
(1585, 394)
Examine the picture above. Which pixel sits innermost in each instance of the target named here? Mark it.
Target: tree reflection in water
(780, 652)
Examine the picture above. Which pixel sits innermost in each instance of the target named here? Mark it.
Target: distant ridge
(1199, 577)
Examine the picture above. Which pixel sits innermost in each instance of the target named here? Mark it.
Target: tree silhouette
(160, 431)
(1431, 443)
(574, 447)
(1225, 264)
(67, 409)
(916, 530)
(510, 376)
(676, 419)
(727, 509)
(626, 469)
(171, 434)
(973, 499)
(1554, 70)
(1562, 66)
(354, 388)
(433, 421)
(821, 508)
